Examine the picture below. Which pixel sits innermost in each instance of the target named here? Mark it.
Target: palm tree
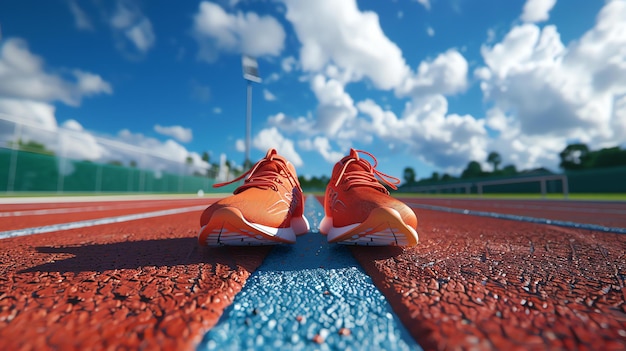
(409, 175)
(495, 159)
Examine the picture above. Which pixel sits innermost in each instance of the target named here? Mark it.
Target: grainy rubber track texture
(471, 283)
(138, 285)
(482, 283)
(70, 212)
(605, 213)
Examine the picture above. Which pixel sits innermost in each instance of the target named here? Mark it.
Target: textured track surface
(142, 284)
(19, 216)
(471, 283)
(480, 283)
(606, 213)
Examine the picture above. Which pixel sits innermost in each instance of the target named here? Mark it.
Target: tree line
(574, 157)
(578, 156)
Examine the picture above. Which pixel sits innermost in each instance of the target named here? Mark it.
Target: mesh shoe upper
(354, 191)
(270, 195)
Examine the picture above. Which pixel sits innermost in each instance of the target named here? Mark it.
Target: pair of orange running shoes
(268, 208)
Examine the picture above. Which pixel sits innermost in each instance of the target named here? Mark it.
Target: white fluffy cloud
(342, 44)
(523, 150)
(152, 153)
(22, 75)
(537, 10)
(28, 93)
(338, 33)
(241, 33)
(131, 25)
(272, 138)
(33, 112)
(542, 93)
(240, 145)
(288, 63)
(177, 132)
(81, 20)
(322, 146)
(76, 143)
(553, 93)
(268, 96)
(169, 149)
(446, 74)
(445, 140)
(301, 125)
(336, 107)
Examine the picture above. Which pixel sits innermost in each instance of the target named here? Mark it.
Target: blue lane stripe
(308, 289)
(523, 218)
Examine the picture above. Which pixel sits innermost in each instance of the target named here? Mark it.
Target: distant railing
(479, 185)
(541, 179)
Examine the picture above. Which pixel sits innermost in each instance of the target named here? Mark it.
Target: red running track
(606, 213)
(28, 215)
(471, 283)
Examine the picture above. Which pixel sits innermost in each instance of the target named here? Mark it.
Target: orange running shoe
(267, 209)
(359, 210)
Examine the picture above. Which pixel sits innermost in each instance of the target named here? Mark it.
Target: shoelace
(367, 177)
(260, 179)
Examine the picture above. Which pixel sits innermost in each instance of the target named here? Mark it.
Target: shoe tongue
(268, 165)
(353, 154)
(358, 164)
(270, 153)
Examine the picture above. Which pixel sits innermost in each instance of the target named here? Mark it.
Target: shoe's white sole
(228, 227)
(383, 227)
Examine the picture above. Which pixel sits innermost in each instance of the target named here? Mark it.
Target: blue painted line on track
(559, 223)
(307, 289)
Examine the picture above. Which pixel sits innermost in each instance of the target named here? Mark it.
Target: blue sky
(428, 84)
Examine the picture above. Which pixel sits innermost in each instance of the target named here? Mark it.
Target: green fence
(594, 181)
(22, 171)
(601, 180)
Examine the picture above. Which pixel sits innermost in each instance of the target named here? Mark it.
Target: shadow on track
(142, 253)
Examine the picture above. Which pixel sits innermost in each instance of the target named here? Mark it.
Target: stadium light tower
(250, 74)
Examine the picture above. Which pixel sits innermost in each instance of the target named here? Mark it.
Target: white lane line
(64, 210)
(545, 206)
(101, 198)
(94, 222)
(523, 218)
(50, 211)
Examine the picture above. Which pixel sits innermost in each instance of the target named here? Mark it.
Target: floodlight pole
(250, 74)
(248, 123)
